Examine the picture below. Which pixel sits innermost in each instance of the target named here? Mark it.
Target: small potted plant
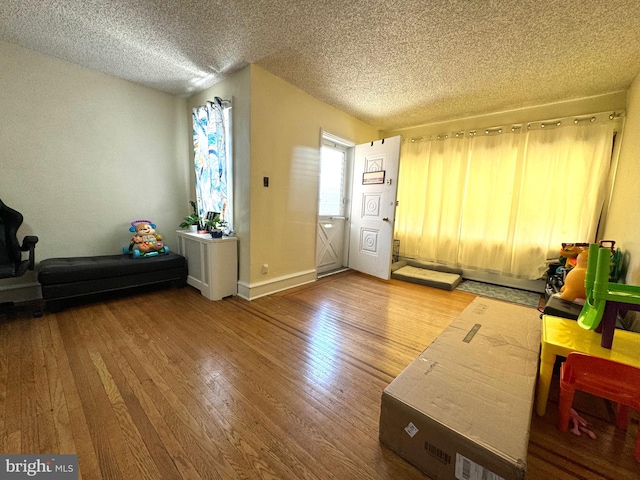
(193, 221)
(215, 225)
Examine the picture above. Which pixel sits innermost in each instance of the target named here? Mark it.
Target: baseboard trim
(252, 291)
(536, 286)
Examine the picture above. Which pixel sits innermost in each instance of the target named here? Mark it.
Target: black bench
(558, 307)
(66, 279)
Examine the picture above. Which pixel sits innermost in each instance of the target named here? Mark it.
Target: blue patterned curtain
(209, 143)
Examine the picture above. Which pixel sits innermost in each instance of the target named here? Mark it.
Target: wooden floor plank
(28, 409)
(224, 404)
(4, 372)
(114, 369)
(165, 447)
(97, 414)
(230, 402)
(211, 423)
(57, 402)
(70, 418)
(47, 435)
(169, 385)
(11, 433)
(192, 433)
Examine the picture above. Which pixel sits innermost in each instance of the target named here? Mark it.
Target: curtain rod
(220, 101)
(472, 132)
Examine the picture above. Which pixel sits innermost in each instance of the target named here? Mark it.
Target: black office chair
(11, 262)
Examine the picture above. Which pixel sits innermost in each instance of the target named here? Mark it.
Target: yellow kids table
(561, 336)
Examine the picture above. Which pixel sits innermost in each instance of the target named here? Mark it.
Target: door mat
(513, 295)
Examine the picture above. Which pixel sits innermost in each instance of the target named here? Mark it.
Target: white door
(330, 239)
(375, 181)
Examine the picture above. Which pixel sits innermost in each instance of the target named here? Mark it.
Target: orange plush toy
(574, 283)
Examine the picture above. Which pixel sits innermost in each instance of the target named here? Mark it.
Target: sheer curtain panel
(503, 200)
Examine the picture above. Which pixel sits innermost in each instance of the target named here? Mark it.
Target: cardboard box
(462, 409)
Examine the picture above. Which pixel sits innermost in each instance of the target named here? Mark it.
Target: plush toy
(569, 253)
(574, 288)
(146, 242)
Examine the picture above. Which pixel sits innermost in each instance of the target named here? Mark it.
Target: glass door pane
(332, 166)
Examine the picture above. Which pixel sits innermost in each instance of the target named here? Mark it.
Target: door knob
(385, 219)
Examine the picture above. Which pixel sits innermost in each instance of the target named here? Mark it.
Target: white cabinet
(212, 263)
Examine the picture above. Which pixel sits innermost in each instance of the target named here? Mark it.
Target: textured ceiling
(389, 63)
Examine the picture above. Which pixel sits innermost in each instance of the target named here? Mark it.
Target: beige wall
(83, 154)
(581, 106)
(623, 221)
(286, 126)
(276, 134)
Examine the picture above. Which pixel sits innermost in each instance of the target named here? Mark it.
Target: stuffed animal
(569, 253)
(146, 242)
(574, 288)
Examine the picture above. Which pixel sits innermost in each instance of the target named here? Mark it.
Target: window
(212, 160)
(503, 200)
(332, 178)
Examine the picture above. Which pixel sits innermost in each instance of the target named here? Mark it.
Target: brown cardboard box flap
(475, 381)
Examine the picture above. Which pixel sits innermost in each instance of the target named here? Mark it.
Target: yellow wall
(623, 220)
(581, 106)
(83, 154)
(276, 134)
(286, 128)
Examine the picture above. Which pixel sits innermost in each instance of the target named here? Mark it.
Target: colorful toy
(601, 377)
(569, 254)
(616, 259)
(573, 288)
(604, 299)
(146, 242)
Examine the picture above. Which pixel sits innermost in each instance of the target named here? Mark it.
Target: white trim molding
(252, 291)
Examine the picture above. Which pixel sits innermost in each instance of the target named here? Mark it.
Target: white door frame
(350, 146)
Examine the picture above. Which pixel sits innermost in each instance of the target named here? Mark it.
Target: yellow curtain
(502, 202)
(412, 194)
(490, 197)
(562, 193)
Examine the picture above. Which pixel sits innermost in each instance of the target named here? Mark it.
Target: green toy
(603, 297)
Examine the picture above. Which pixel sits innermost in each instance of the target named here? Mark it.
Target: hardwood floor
(168, 385)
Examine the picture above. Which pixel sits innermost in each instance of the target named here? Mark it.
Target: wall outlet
(265, 268)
